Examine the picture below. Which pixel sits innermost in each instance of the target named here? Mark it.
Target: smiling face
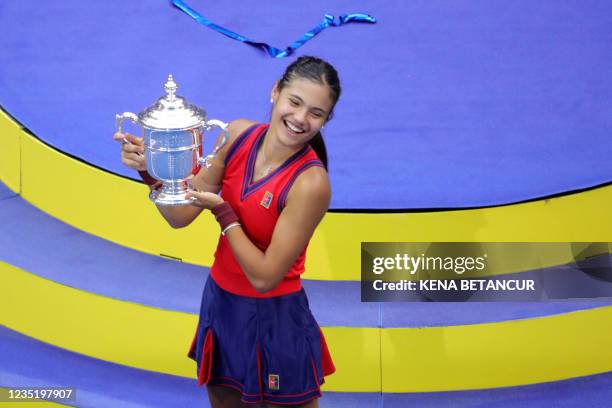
(300, 109)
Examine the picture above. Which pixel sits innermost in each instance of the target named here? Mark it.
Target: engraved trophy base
(171, 193)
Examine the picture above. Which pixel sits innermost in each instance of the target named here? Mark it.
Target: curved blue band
(274, 52)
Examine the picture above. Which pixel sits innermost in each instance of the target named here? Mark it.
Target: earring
(271, 100)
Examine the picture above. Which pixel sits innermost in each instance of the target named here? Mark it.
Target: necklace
(264, 159)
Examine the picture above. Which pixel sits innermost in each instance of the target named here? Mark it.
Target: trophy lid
(172, 112)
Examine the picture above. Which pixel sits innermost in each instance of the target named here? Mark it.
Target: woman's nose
(300, 115)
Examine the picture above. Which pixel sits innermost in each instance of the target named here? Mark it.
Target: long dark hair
(320, 71)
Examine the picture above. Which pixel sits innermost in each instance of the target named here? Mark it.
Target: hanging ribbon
(274, 52)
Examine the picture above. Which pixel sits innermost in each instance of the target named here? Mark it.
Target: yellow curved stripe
(117, 209)
(498, 354)
(33, 404)
(411, 359)
(149, 338)
(10, 152)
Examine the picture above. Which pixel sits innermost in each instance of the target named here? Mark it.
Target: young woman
(257, 341)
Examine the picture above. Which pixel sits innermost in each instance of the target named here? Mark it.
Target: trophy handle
(119, 122)
(208, 126)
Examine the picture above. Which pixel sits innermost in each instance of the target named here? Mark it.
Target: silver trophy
(173, 135)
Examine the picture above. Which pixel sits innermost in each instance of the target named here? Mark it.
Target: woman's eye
(293, 102)
(317, 115)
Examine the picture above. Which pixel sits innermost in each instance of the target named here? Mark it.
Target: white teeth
(293, 128)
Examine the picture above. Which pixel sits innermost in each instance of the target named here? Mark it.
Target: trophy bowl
(173, 133)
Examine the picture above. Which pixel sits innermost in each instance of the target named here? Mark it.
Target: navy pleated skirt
(268, 349)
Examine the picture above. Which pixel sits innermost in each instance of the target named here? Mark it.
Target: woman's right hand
(132, 153)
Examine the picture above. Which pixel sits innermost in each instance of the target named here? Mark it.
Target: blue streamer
(274, 52)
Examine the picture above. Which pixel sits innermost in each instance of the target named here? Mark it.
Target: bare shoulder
(238, 126)
(235, 128)
(311, 186)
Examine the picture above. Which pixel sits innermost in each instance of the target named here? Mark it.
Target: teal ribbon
(328, 21)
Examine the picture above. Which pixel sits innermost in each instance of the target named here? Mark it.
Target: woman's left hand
(204, 199)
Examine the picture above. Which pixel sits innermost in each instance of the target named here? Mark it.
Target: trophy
(173, 135)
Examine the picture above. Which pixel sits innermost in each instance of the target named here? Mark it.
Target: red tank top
(258, 206)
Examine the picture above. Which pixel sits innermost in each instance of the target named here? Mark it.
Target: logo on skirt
(273, 382)
(266, 200)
